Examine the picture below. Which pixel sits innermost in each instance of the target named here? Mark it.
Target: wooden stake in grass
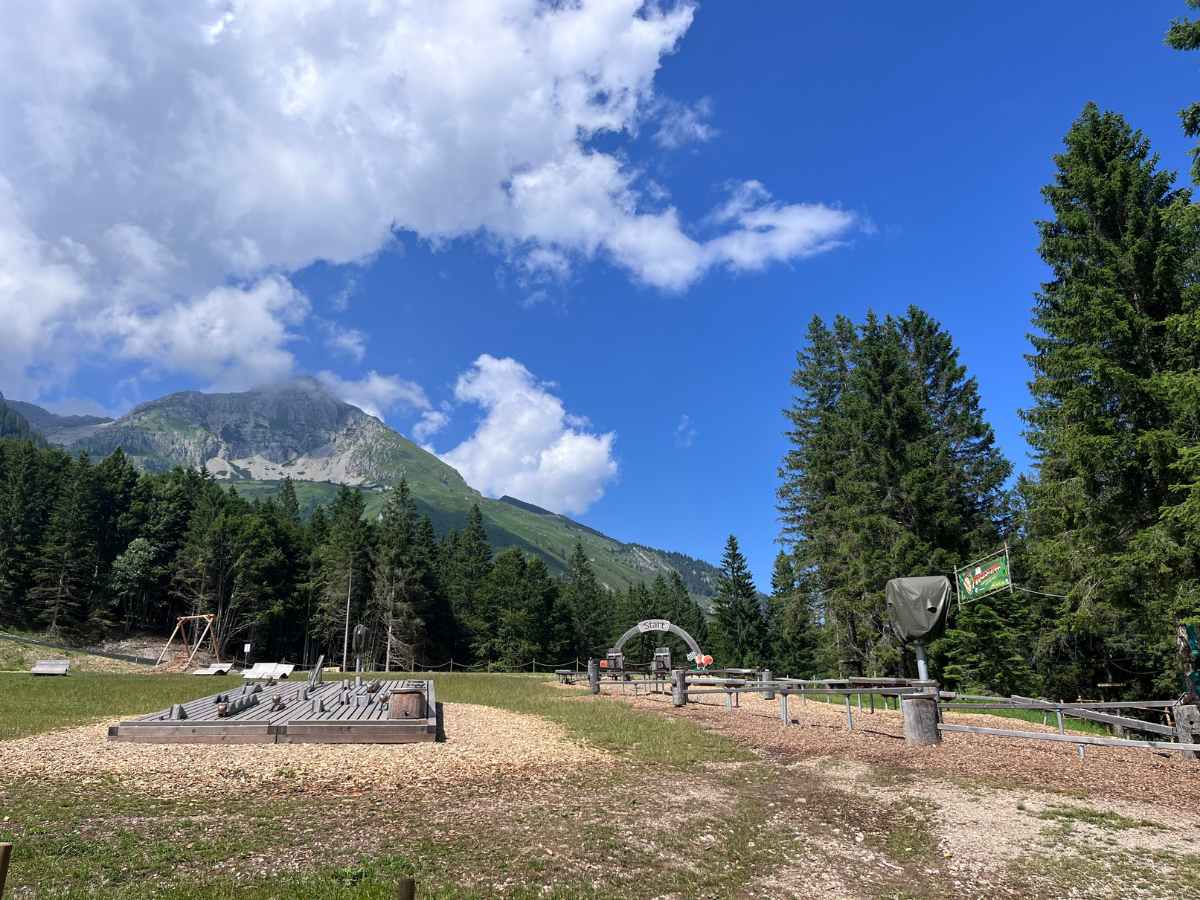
(5, 855)
(407, 889)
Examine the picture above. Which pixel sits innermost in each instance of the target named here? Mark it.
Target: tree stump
(921, 720)
(679, 687)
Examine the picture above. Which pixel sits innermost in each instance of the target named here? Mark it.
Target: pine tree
(589, 607)
(792, 633)
(1184, 34)
(738, 624)
(1114, 426)
(65, 581)
(344, 573)
(467, 561)
(892, 471)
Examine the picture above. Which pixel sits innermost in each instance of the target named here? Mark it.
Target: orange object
(705, 660)
(604, 663)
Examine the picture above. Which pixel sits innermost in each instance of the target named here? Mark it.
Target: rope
(1017, 587)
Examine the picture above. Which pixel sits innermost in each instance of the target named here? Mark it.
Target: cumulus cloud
(527, 445)
(377, 394)
(231, 336)
(170, 150)
(681, 124)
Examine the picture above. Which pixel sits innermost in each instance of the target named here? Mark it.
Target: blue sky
(914, 138)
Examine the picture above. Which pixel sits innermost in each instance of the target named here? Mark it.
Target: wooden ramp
(354, 711)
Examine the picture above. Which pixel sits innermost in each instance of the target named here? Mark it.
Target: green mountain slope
(255, 439)
(13, 424)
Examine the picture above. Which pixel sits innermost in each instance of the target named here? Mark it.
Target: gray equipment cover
(917, 606)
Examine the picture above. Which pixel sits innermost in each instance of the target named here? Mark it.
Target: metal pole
(346, 632)
(922, 669)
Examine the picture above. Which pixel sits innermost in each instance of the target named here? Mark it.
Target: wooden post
(5, 855)
(1059, 713)
(1187, 726)
(679, 687)
(849, 714)
(871, 697)
(920, 719)
(767, 694)
(783, 709)
(407, 889)
(728, 700)
(594, 676)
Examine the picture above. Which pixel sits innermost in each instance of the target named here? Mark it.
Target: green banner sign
(984, 576)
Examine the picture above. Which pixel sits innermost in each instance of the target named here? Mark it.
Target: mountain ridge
(254, 439)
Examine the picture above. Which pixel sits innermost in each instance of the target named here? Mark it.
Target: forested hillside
(93, 550)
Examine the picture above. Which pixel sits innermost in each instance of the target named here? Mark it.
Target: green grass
(1068, 815)
(31, 704)
(104, 838)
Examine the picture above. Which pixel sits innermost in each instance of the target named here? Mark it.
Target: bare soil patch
(819, 729)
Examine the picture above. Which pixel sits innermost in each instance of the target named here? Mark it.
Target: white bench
(50, 667)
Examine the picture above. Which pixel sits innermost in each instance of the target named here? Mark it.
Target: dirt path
(987, 816)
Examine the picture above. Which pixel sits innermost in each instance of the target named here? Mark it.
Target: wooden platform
(335, 712)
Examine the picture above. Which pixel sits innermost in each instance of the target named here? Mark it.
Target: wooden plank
(1070, 738)
(1081, 713)
(182, 734)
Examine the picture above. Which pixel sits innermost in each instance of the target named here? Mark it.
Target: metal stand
(922, 668)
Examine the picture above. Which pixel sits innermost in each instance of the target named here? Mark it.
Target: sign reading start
(653, 625)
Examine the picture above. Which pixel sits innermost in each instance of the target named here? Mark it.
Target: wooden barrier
(1079, 739)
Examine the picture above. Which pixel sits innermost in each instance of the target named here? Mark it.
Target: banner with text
(984, 576)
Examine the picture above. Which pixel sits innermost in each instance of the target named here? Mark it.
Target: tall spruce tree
(738, 627)
(65, 583)
(1114, 426)
(791, 630)
(589, 608)
(1184, 34)
(892, 471)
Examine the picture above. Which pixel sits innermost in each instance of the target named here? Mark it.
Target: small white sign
(653, 625)
(245, 648)
(692, 656)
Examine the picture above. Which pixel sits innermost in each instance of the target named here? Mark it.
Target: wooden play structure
(191, 632)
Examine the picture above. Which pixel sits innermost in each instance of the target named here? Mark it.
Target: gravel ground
(482, 743)
(1138, 776)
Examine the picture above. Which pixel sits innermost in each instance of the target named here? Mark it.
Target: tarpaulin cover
(918, 606)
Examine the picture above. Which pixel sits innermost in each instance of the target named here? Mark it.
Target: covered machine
(917, 608)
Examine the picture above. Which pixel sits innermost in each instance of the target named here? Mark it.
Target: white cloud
(345, 341)
(685, 432)
(232, 336)
(680, 124)
(527, 445)
(376, 394)
(166, 151)
(431, 422)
